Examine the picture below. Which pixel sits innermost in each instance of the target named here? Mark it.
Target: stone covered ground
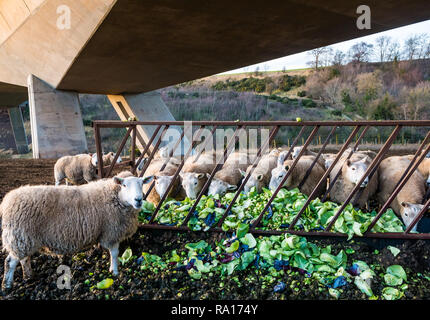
(90, 267)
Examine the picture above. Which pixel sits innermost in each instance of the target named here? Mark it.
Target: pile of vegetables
(280, 214)
(280, 256)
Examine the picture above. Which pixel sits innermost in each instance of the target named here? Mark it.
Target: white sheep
(80, 168)
(66, 220)
(75, 169)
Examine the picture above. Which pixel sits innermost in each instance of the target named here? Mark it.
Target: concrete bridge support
(56, 121)
(18, 129)
(149, 107)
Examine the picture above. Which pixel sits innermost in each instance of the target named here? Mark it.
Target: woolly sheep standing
(297, 175)
(407, 203)
(228, 178)
(260, 177)
(66, 220)
(75, 169)
(352, 170)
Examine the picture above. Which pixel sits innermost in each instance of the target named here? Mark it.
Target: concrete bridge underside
(131, 46)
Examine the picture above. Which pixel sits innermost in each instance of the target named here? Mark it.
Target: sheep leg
(27, 272)
(114, 250)
(9, 269)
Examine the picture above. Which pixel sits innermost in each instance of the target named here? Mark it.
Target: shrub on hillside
(308, 103)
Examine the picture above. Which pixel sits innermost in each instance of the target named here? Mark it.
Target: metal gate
(353, 134)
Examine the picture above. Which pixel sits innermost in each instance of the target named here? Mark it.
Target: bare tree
(360, 52)
(394, 51)
(382, 47)
(338, 58)
(317, 55)
(414, 47)
(326, 57)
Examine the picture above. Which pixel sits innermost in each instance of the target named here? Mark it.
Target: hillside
(373, 91)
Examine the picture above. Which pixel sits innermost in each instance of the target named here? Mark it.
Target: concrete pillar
(18, 129)
(149, 107)
(56, 121)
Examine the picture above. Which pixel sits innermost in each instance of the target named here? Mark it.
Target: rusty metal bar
(151, 156)
(133, 149)
(322, 234)
(360, 192)
(417, 154)
(376, 163)
(166, 162)
(205, 143)
(290, 170)
(175, 176)
(332, 182)
(396, 191)
(418, 217)
(376, 123)
(218, 166)
(121, 147)
(98, 150)
(316, 158)
(257, 159)
(145, 150)
(324, 177)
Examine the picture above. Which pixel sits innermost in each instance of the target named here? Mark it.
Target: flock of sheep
(68, 219)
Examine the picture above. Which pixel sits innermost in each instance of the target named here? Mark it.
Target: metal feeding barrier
(358, 130)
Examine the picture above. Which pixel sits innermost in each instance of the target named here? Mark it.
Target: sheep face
(296, 151)
(131, 190)
(220, 187)
(409, 211)
(193, 183)
(278, 175)
(162, 183)
(354, 171)
(255, 180)
(94, 159)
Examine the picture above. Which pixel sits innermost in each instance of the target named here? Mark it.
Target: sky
(299, 60)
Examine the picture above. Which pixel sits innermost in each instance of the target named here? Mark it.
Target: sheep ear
(208, 175)
(231, 187)
(200, 175)
(146, 180)
(118, 180)
(243, 173)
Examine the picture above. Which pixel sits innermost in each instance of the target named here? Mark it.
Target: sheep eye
(280, 177)
(353, 168)
(124, 186)
(406, 214)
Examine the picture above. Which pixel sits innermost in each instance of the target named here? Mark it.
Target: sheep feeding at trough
(194, 172)
(260, 177)
(65, 220)
(407, 203)
(351, 172)
(162, 179)
(228, 178)
(299, 172)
